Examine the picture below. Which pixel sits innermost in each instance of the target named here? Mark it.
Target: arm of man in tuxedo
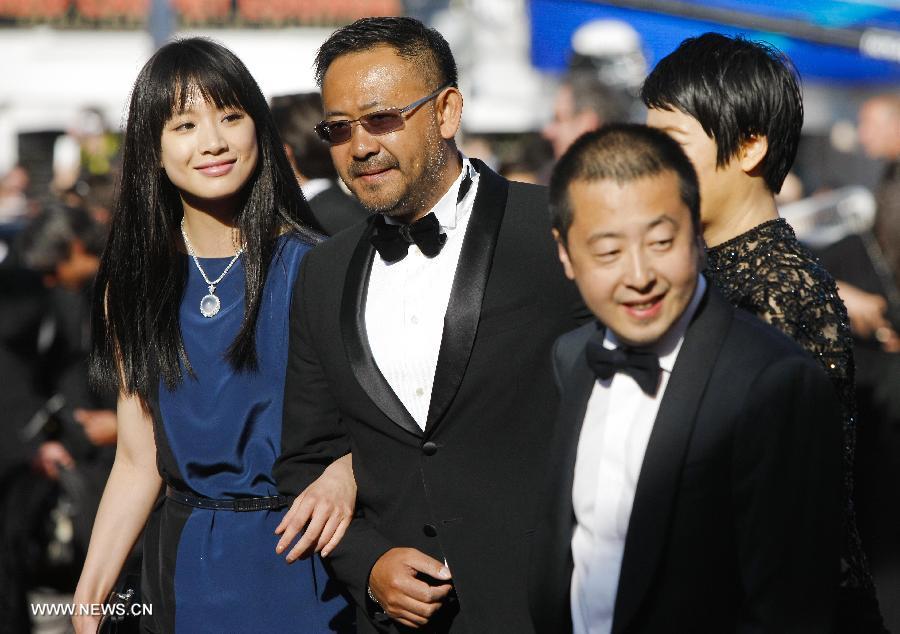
(787, 500)
(314, 463)
(313, 436)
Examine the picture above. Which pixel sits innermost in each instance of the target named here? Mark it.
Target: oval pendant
(209, 305)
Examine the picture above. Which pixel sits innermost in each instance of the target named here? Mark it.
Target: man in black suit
(296, 116)
(424, 335)
(695, 482)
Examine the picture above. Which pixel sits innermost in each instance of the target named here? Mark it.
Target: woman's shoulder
(290, 248)
(292, 244)
(768, 271)
(771, 255)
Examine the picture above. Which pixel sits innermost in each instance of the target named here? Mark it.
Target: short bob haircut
(410, 38)
(621, 152)
(136, 333)
(735, 89)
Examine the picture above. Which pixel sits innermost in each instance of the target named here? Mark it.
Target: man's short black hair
(410, 38)
(735, 89)
(621, 152)
(296, 117)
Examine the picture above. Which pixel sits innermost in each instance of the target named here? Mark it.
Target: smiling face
(717, 183)
(633, 253)
(403, 173)
(209, 153)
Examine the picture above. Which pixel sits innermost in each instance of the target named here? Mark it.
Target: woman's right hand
(322, 513)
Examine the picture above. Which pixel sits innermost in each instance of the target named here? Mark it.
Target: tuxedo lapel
(356, 344)
(467, 293)
(664, 459)
(578, 385)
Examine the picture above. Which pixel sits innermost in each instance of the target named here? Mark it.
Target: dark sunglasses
(381, 122)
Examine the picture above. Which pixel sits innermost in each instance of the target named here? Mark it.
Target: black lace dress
(766, 271)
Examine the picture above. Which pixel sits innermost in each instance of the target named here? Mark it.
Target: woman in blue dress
(191, 327)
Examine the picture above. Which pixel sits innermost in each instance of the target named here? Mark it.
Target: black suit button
(429, 448)
(429, 530)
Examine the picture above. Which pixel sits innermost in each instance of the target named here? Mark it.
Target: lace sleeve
(767, 272)
(801, 302)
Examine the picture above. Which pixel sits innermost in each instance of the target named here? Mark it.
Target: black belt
(239, 505)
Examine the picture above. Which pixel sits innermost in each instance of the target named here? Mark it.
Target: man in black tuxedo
(695, 482)
(424, 335)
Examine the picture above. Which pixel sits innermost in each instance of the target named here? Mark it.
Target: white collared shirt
(611, 447)
(406, 302)
(314, 187)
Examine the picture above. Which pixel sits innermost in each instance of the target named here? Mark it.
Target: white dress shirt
(614, 436)
(314, 187)
(406, 302)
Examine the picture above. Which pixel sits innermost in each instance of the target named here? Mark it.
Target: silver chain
(190, 250)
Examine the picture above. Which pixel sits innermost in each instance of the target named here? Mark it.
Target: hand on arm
(396, 584)
(131, 490)
(325, 508)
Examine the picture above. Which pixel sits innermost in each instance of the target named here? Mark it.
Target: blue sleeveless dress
(217, 436)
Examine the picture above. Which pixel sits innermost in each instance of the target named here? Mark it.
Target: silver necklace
(210, 304)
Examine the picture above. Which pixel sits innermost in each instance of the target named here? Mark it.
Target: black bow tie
(640, 365)
(392, 241)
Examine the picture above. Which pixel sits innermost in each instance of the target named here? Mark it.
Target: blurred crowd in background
(58, 434)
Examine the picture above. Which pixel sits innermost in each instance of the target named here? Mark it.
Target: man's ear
(752, 152)
(563, 255)
(449, 112)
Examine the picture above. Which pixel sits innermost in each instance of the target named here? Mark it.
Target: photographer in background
(69, 441)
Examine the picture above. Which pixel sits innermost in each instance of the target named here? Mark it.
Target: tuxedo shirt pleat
(617, 426)
(406, 302)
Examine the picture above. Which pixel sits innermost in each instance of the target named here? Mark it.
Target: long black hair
(136, 333)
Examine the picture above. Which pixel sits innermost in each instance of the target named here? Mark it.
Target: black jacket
(335, 210)
(736, 523)
(464, 489)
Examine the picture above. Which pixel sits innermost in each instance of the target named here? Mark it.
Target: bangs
(185, 71)
(207, 84)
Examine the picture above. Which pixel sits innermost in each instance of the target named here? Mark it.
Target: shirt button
(413, 320)
(419, 391)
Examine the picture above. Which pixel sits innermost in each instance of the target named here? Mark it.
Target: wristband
(372, 597)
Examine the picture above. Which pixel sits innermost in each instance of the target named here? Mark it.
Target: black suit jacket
(464, 489)
(736, 521)
(335, 210)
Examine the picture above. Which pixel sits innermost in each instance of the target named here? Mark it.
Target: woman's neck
(746, 213)
(212, 233)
